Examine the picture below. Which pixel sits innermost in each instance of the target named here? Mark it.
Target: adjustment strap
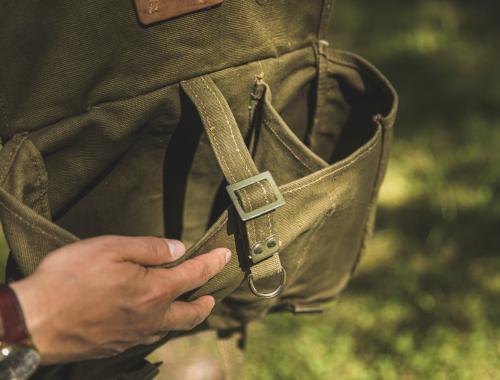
(255, 195)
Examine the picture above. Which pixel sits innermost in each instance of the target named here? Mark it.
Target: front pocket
(330, 198)
(24, 206)
(321, 226)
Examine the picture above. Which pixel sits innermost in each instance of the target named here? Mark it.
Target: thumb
(149, 250)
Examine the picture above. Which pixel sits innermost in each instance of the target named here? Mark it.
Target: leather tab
(151, 11)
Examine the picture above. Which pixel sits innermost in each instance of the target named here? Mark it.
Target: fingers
(195, 272)
(154, 338)
(187, 315)
(149, 250)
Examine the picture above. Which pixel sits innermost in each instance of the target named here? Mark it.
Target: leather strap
(13, 328)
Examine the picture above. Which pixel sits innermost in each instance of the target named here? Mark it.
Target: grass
(425, 303)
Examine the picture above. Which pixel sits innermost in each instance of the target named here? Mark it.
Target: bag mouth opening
(339, 108)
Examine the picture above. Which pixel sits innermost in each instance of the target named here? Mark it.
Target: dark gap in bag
(352, 98)
(177, 165)
(359, 126)
(299, 112)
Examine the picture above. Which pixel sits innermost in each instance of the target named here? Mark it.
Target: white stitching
(271, 128)
(240, 154)
(216, 144)
(224, 111)
(32, 226)
(338, 171)
(210, 131)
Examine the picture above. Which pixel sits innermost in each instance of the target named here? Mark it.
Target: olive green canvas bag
(235, 126)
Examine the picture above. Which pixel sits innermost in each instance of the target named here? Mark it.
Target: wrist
(40, 312)
(33, 317)
(18, 356)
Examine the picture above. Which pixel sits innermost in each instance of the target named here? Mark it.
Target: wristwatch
(19, 357)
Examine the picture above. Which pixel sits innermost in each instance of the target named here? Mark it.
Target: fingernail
(228, 255)
(212, 299)
(176, 248)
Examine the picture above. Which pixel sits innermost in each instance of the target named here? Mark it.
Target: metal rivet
(257, 249)
(272, 242)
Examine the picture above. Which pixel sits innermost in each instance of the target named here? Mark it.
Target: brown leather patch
(150, 11)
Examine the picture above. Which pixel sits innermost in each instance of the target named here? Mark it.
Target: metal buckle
(249, 215)
(271, 294)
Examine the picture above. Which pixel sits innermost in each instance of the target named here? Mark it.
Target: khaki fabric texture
(103, 134)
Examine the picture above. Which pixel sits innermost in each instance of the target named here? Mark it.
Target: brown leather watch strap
(12, 326)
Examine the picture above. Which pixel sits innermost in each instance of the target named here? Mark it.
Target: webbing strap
(252, 189)
(266, 268)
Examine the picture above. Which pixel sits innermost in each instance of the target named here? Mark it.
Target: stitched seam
(224, 112)
(28, 224)
(240, 154)
(220, 154)
(361, 157)
(287, 146)
(5, 168)
(7, 165)
(38, 178)
(238, 150)
(312, 235)
(338, 171)
(214, 136)
(41, 189)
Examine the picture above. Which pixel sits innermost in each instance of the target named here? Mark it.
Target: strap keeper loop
(249, 215)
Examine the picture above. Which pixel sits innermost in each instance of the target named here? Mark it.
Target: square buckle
(249, 215)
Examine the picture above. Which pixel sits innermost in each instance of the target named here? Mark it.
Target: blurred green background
(425, 303)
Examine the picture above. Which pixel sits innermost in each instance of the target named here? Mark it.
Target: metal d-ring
(272, 294)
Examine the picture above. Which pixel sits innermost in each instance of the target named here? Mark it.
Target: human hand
(97, 297)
